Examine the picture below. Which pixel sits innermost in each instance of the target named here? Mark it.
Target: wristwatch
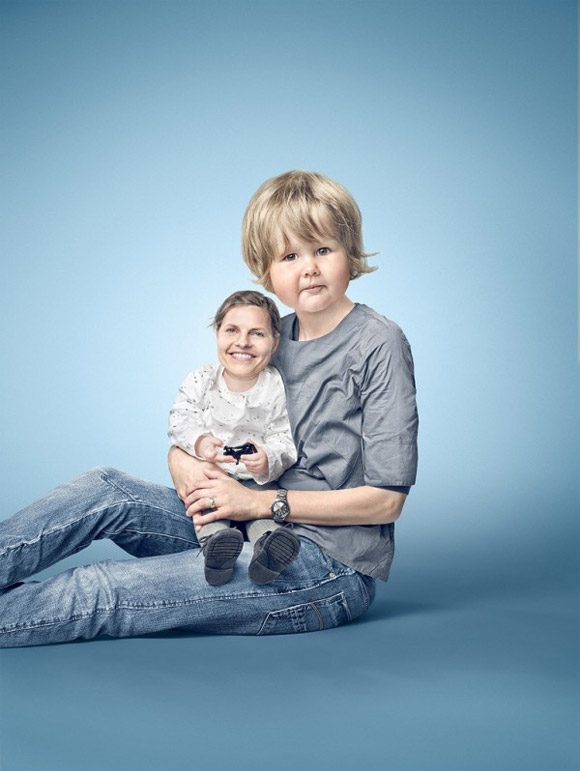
(280, 508)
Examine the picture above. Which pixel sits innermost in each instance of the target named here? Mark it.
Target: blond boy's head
(307, 205)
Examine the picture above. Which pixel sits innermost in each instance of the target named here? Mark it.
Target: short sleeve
(389, 412)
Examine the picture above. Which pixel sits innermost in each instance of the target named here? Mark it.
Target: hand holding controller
(239, 450)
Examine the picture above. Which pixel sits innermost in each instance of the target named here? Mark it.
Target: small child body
(241, 400)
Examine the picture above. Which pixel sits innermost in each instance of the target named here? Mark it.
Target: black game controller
(241, 449)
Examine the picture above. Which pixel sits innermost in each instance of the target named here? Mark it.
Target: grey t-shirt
(352, 409)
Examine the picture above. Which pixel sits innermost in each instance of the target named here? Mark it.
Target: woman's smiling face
(245, 343)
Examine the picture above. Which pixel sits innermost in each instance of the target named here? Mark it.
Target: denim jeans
(165, 588)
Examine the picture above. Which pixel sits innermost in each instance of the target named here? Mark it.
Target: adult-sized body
(351, 397)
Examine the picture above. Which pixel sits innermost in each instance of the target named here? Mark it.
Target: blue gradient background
(133, 135)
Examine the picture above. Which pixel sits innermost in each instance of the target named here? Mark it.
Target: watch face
(280, 509)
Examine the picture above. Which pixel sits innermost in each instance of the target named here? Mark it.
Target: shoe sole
(221, 554)
(280, 548)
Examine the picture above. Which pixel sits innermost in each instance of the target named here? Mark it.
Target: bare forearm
(229, 499)
(354, 506)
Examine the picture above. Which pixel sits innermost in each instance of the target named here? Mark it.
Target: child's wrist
(199, 448)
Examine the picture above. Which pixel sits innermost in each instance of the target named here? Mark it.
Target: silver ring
(212, 503)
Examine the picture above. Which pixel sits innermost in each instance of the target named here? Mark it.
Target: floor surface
(442, 673)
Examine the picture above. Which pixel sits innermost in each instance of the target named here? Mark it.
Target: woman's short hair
(308, 205)
(249, 297)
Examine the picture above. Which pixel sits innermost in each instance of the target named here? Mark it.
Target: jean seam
(318, 614)
(177, 604)
(132, 498)
(151, 606)
(117, 487)
(90, 614)
(91, 513)
(346, 606)
(365, 590)
(252, 596)
(213, 598)
(57, 621)
(112, 533)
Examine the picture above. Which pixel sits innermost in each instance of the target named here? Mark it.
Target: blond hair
(308, 205)
(249, 297)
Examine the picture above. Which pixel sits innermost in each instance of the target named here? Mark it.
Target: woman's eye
(259, 334)
(229, 330)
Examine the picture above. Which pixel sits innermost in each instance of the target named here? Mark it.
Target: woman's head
(307, 205)
(247, 327)
(251, 298)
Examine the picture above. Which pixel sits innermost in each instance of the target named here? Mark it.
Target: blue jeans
(165, 588)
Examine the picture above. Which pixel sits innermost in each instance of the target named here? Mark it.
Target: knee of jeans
(107, 473)
(112, 479)
(98, 472)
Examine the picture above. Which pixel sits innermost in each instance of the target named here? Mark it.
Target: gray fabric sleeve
(389, 425)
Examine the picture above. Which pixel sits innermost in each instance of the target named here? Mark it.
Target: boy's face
(245, 343)
(311, 276)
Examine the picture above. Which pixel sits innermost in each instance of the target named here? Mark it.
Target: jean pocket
(308, 617)
(336, 568)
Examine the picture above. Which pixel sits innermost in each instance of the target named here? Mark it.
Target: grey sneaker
(273, 552)
(221, 551)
